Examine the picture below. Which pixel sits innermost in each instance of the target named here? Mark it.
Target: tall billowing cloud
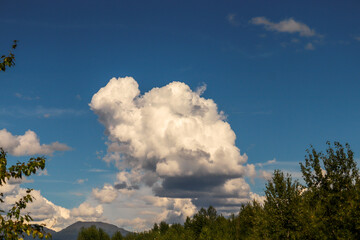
(172, 140)
(28, 144)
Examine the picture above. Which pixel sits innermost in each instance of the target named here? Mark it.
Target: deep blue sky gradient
(278, 97)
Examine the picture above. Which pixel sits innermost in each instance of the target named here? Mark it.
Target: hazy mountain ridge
(71, 232)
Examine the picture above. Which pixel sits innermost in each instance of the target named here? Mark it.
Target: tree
(283, 207)
(175, 232)
(333, 191)
(103, 235)
(155, 228)
(198, 221)
(14, 224)
(250, 222)
(9, 60)
(117, 236)
(92, 233)
(202, 223)
(163, 227)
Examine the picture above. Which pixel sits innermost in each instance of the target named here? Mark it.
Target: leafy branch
(9, 60)
(13, 224)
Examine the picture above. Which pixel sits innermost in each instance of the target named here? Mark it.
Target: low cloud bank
(44, 211)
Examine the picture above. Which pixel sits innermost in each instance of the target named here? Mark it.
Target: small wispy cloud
(99, 154)
(55, 112)
(43, 173)
(309, 46)
(286, 26)
(270, 162)
(265, 175)
(40, 112)
(76, 194)
(357, 38)
(200, 90)
(28, 98)
(97, 170)
(263, 35)
(81, 181)
(14, 181)
(231, 18)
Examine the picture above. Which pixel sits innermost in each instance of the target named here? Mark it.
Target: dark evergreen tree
(163, 227)
(103, 235)
(117, 236)
(250, 223)
(92, 233)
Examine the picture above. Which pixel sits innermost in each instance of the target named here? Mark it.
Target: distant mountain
(72, 231)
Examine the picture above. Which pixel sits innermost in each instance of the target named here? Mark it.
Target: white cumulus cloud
(105, 195)
(181, 132)
(86, 210)
(28, 144)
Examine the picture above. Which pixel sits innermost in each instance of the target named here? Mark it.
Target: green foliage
(333, 194)
(283, 207)
(204, 218)
(9, 60)
(103, 235)
(250, 223)
(164, 227)
(117, 236)
(92, 233)
(14, 224)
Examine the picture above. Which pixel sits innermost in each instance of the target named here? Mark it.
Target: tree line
(325, 206)
(93, 233)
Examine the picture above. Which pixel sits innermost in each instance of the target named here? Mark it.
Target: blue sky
(284, 73)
